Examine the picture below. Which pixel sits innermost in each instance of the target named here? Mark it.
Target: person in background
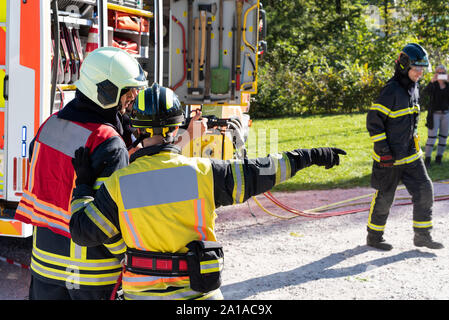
(437, 122)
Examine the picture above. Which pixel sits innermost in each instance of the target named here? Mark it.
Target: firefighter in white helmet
(163, 204)
(60, 269)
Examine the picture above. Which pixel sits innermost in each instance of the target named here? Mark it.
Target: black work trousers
(41, 290)
(385, 180)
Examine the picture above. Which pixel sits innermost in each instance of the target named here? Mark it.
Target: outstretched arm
(235, 181)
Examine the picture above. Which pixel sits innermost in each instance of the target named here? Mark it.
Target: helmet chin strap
(163, 132)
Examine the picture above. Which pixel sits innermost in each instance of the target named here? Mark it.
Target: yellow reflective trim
(3, 10)
(409, 159)
(405, 160)
(238, 192)
(83, 252)
(242, 192)
(117, 247)
(376, 227)
(278, 170)
(72, 249)
(403, 112)
(185, 293)
(371, 225)
(204, 265)
(422, 224)
(77, 204)
(69, 277)
(288, 168)
(378, 137)
(381, 108)
(99, 182)
(282, 166)
(77, 251)
(376, 157)
(141, 99)
(394, 114)
(102, 222)
(169, 99)
(217, 269)
(70, 261)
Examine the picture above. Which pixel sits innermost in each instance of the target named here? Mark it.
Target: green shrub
(321, 89)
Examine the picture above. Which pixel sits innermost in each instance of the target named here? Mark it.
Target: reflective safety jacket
(55, 257)
(164, 200)
(47, 195)
(392, 121)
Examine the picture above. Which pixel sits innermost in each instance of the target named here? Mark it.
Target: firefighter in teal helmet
(163, 204)
(392, 123)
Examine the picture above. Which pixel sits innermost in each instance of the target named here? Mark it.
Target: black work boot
(378, 242)
(427, 162)
(424, 239)
(438, 159)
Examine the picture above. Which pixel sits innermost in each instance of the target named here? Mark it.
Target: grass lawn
(347, 132)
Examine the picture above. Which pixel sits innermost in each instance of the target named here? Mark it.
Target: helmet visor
(423, 63)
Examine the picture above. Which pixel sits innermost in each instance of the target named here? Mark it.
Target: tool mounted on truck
(193, 46)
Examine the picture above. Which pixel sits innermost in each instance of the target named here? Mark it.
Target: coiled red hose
(272, 198)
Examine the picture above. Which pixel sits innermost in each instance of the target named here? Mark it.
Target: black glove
(386, 161)
(327, 157)
(81, 163)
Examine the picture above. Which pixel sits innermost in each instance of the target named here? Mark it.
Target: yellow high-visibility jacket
(164, 200)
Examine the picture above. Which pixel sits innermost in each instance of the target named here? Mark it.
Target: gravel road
(268, 258)
(327, 259)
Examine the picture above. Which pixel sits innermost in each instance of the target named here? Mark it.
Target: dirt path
(305, 258)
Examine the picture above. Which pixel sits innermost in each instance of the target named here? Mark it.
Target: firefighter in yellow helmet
(163, 204)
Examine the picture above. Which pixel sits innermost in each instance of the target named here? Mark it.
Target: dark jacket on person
(57, 259)
(438, 100)
(392, 120)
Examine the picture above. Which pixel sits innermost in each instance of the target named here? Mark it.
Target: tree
(323, 57)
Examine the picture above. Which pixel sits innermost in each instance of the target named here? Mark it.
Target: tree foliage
(334, 56)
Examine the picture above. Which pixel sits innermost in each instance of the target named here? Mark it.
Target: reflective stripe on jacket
(71, 265)
(163, 209)
(47, 195)
(392, 121)
(163, 200)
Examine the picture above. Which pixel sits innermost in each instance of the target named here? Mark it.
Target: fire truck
(207, 51)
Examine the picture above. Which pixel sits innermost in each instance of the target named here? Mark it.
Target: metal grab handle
(262, 45)
(5, 87)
